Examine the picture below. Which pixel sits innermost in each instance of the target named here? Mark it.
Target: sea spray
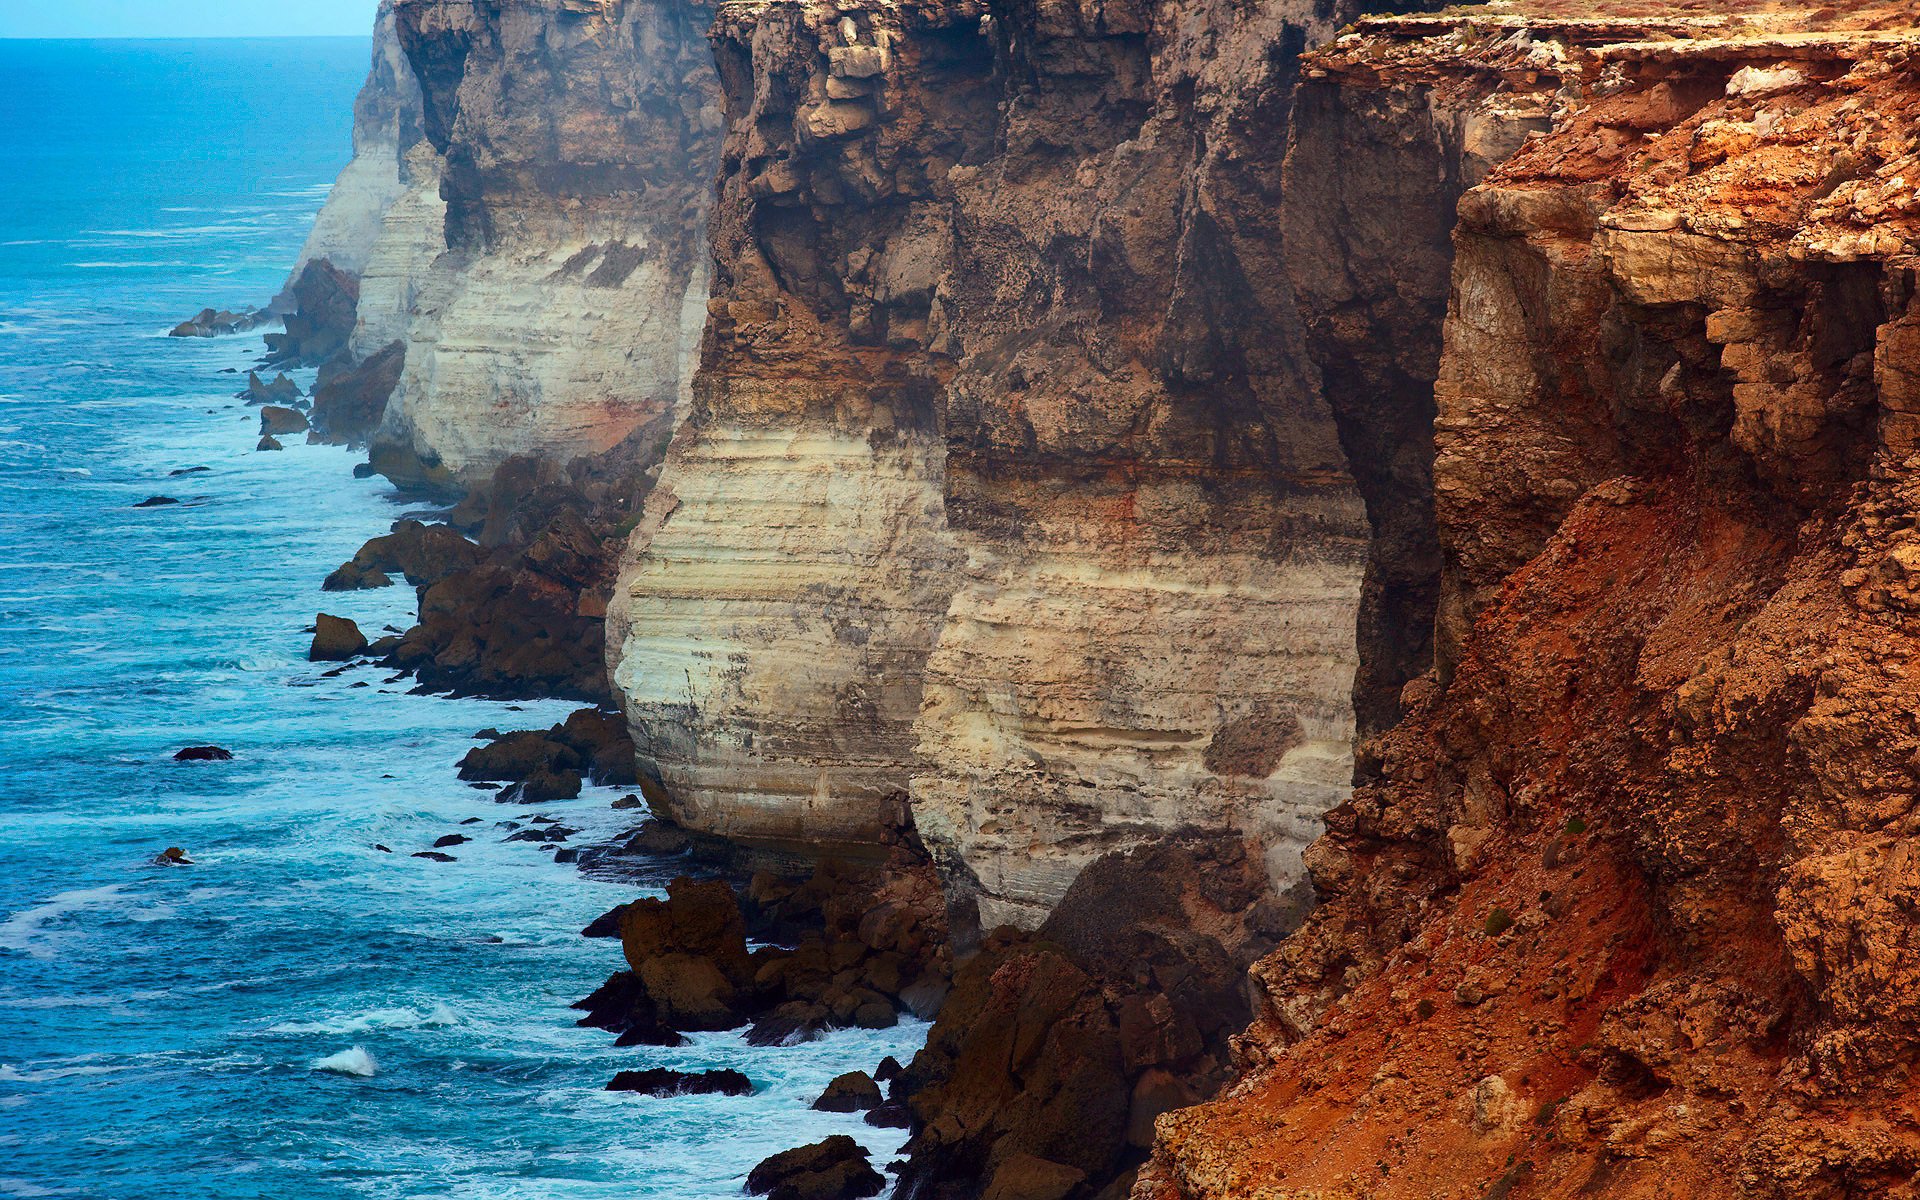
(354, 1061)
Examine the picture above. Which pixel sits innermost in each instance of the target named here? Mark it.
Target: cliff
(386, 126)
(557, 314)
(1093, 437)
(1620, 909)
(1006, 490)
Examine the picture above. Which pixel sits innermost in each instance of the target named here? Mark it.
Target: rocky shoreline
(1324, 591)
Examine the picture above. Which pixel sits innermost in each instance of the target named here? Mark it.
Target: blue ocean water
(159, 1028)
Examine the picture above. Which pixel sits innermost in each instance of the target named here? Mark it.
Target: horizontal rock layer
(1619, 909)
(1008, 488)
(558, 313)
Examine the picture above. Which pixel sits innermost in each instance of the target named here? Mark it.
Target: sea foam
(355, 1061)
(439, 1016)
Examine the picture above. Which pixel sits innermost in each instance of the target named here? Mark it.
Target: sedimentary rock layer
(576, 146)
(1623, 909)
(386, 124)
(1008, 485)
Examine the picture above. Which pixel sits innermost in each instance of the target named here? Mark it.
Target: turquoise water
(159, 1027)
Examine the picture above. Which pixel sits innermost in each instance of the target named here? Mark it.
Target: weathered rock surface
(350, 399)
(387, 123)
(520, 612)
(575, 151)
(1057, 1050)
(659, 1081)
(1619, 910)
(1005, 486)
(836, 1169)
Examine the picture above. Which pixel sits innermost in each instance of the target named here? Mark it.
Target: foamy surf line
(28, 930)
(437, 1017)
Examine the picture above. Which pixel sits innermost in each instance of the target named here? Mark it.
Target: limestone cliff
(386, 126)
(573, 147)
(1621, 909)
(1008, 490)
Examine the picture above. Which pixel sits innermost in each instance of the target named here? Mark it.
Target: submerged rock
(204, 754)
(662, 1082)
(156, 502)
(436, 856)
(335, 639)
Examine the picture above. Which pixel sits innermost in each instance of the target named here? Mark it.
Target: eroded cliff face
(1009, 492)
(575, 142)
(387, 124)
(1622, 908)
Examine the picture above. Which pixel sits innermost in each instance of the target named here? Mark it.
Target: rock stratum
(1083, 437)
(1620, 909)
(1006, 496)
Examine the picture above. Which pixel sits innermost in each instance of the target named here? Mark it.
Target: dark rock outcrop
(350, 399)
(219, 323)
(854, 1091)
(325, 304)
(836, 1169)
(661, 1082)
(1056, 1050)
(275, 421)
(336, 639)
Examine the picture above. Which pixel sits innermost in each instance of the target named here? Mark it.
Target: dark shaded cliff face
(1620, 911)
(578, 143)
(1009, 487)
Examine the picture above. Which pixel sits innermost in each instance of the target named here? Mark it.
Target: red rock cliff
(1623, 908)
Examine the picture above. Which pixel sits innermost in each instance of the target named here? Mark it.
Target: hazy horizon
(159, 19)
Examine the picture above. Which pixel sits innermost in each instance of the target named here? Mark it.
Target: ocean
(299, 1015)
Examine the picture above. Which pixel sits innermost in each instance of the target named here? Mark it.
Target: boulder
(543, 786)
(326, 306)
(892, 1115)
(690, 954)
(451, 839)
(518, 756)
(436, 856)
(204, 754)
(211, 322)
(657, 839)
(335, 639)
(853, 1092)
(268, 442)
(621, 1006)
(275, 420)
(281, 391)
(836, 1169)
(354, 577)
(662, 1082)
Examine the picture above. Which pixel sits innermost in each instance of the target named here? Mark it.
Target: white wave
(28, 930)
(437, 1017)
(355, 1061)
(12, 1074)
